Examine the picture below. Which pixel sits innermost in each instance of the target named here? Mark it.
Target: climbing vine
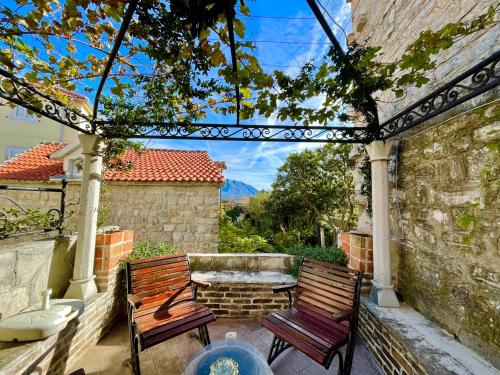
(366, 185)
(174, 64)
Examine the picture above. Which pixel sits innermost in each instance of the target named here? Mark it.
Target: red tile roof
(151, 165)
(168, 166)
(220, 164)
(34, 164)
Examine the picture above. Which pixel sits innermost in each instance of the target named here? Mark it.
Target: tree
(316, 185)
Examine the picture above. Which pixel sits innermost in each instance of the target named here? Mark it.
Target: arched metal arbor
(482, 77)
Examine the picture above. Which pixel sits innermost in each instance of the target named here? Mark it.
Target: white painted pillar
(382, 289)
(83, 286)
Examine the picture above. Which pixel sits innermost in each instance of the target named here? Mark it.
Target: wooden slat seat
(162, 303)
(323, 317)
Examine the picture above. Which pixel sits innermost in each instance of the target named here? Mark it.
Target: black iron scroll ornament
(20, 92)
(247, 132)
(475, 81)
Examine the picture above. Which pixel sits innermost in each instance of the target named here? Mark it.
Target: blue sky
(256, 163)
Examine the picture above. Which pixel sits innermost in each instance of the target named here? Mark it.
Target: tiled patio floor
(110, 356)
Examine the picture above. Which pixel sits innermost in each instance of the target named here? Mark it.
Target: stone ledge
(263, 277)
(401, 339)
(240, 262)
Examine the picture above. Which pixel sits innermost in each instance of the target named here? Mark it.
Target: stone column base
(384, 296)
(81, 289)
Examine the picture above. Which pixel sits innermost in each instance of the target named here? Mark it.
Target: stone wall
(448, 273)
(185, 215)
(30, 267)
(394, 25)
(45, 201)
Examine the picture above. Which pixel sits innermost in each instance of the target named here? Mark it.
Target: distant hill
(234, 189)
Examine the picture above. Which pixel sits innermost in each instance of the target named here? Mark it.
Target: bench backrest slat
(327, 288)
(159, 276)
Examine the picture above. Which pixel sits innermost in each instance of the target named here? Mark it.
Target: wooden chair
(162, 303)
(324, 316)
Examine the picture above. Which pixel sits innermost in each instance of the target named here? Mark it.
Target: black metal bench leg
(203, 335)
(278, 346)
(136, 366)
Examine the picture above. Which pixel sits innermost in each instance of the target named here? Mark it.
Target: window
(10, 152)
(22, 113)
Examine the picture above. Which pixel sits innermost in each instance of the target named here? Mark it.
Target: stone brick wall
(394, 25)
(29, 267)
(185, 215)
(242, 300)
(45, 201)
(447, 277)
(359, 250)
(441, 273)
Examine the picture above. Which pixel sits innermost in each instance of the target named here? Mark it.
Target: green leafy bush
(332, 255)
(144, 250)
(240, 239)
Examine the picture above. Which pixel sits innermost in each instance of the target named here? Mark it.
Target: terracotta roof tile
(34, 164)
(160, 165)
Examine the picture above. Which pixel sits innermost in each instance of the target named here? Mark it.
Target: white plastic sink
(40, 324)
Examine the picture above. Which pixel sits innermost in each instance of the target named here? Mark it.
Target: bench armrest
(134, 300)
(285, 288)
(344, 315)
(201, 284)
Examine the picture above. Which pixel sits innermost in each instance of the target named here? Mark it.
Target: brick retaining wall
(390, 354)
(242, 300)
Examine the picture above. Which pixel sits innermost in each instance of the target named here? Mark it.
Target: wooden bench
(162, 303)
(324, 316)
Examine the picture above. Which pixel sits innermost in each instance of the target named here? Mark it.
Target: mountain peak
(234, 189)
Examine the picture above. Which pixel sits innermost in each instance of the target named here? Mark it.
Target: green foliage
(365, 169)
(490, 190)
(332, 255)
(313, 188)
(15, 221)
(66, 44)
(144, 250)
(239, 238)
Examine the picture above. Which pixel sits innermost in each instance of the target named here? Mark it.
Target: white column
(382, 290)
(83, 286)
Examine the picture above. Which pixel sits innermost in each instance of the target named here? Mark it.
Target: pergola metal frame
(475, 81)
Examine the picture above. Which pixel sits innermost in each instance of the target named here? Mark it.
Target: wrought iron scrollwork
(16, 220)
(481, 78)
(23, 94)
(267, 133)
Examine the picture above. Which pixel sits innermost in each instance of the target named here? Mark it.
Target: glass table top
(228, 357)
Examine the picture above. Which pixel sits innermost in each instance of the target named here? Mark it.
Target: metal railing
(18, 212)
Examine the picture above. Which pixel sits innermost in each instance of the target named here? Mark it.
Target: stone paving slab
(111, 355)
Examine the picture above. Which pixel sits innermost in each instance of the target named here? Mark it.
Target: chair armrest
(285, 288)
(134, 300)
(344, 315)
(201, 284)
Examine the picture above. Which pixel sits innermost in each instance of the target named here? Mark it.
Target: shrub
(239, 238)
(332, 255)
(148, 250)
